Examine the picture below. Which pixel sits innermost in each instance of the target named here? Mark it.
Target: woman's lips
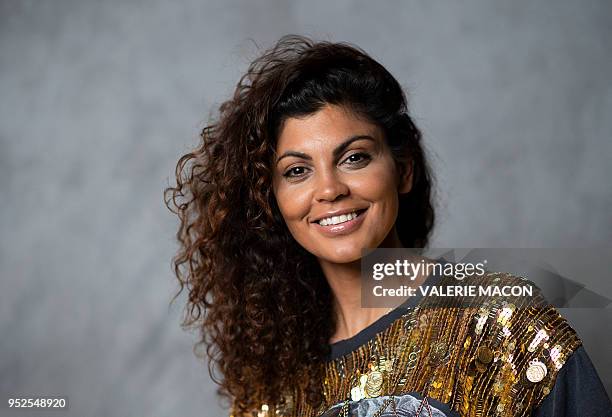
(342, 228)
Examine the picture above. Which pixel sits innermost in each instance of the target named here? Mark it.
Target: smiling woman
(314, 159)
(337, 185)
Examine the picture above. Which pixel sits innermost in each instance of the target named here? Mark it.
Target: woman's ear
(405, 180)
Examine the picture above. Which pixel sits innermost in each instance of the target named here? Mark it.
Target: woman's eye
(295, 172)
(358, 158)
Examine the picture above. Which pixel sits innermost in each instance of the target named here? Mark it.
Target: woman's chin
(342, 256)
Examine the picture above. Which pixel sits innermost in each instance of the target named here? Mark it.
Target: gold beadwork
(482, 357)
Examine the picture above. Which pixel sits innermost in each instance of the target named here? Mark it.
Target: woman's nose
(330, 187)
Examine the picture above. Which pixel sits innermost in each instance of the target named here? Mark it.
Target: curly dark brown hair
(260, 301)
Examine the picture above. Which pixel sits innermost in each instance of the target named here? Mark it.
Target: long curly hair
(260, 302)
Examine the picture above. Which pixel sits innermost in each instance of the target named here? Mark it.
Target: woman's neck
(345, 283)
(351, 317)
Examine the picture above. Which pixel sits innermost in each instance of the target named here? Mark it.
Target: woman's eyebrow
(337, 151)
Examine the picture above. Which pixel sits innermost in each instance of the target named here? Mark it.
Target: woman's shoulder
(508, 310)
(504, 331)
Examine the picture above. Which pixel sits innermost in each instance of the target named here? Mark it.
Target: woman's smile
(336, 184)
(341, 223)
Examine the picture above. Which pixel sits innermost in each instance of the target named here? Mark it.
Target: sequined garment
(482, 356)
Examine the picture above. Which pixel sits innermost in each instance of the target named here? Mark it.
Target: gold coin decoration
(373, 384)
(438, 352)
(484, 354)
(536, 371)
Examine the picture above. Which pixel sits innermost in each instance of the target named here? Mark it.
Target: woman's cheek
(292, 202)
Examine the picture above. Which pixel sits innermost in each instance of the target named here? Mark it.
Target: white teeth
(337, 219)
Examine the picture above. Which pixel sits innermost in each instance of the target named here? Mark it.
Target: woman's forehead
(329, 126)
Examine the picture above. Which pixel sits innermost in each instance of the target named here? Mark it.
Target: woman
(313, 159)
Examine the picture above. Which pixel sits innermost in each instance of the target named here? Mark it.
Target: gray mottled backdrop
(98, 99)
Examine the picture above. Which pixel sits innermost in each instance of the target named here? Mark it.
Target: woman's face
(336, 184)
